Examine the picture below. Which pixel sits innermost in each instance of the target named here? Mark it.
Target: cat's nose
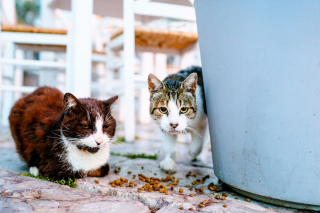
(99, 141)
(174, 125)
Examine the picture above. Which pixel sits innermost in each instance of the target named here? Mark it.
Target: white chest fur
(85, 161)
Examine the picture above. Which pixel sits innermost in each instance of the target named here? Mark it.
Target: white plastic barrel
(261, 64)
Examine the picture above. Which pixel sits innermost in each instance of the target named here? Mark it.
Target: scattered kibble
(225, 206)
(223, 198)
(248, 200)
(188, 185)
(129, 172)
(217, 196)
(190, 209)
(191, 195)
(201, 205)
(236, 198)
(155, 173)
(224, 194)
(205, 201)
(232, 193)
(181, 208)
(96, 181)
(142, 167)
(201, 189)
(181, 190)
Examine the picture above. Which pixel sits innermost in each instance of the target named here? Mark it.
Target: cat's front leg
(197, 142)
(169, 146)
(101, 172)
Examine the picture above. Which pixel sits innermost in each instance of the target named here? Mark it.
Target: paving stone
(25, 194)
(18, 193)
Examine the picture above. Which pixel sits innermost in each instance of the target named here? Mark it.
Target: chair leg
(18, 75)
(129, 56)
(6, 78)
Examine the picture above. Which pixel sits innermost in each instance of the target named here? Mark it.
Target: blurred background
(95, 48)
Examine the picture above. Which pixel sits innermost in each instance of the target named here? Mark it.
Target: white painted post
(129, 55)
(8, 75)
(147, 63)
(18, 75)
(79, 76)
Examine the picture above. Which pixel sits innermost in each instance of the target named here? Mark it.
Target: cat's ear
(69, 102)
(154, 84)
(190, 83)
(111, 100)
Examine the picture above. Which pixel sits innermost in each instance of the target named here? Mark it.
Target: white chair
(77, 45)
(134, 38)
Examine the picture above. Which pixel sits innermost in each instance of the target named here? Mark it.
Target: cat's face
(88, 123)
(175, 108)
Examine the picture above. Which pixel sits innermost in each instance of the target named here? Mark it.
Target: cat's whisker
(194, 131)
(185, 132)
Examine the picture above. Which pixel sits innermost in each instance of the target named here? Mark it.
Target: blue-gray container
(261, 64)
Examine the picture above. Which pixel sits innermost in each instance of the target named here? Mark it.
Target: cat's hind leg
(34, 171)
(169, 145)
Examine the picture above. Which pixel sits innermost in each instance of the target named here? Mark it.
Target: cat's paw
(167, 164)
(34, 171)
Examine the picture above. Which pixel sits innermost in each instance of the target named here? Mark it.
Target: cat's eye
(163, 110)
(184, 110)
(85, 126)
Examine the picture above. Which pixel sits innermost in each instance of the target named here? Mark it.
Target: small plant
(134, 156)
(123, 139)
(70, 182)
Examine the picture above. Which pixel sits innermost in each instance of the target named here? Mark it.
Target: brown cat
(62, 136)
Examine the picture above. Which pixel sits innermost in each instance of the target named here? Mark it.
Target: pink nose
(174, 125)
(99, 141)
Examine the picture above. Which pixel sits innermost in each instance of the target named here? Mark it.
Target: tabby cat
(177, 105)
(60, 136)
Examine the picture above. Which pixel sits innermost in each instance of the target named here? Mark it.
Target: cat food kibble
(201, 189)
(205, 201)
(129, 172)
(224, 194)
(201, 205)
(142, 167)
(181, 190)
(248, 200)
(191, 195)
(217, 196)
(181, 208)
(225, 206)
(232, 193)
(188, 185)
(96, 181)
(223, 198)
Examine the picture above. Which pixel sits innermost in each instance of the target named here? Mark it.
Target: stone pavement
(25, 194)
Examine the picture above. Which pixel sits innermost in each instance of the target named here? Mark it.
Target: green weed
(70, 182)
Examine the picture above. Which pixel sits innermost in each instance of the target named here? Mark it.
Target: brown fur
(36, 123)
